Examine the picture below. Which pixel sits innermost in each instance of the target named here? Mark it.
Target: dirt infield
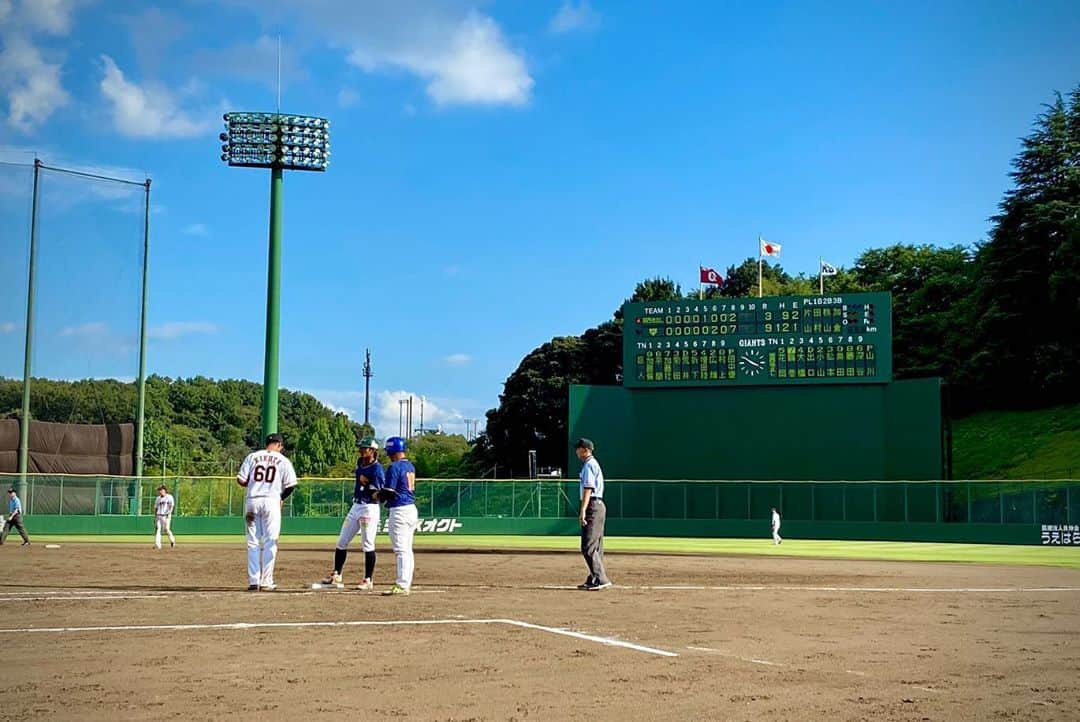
(484, 638)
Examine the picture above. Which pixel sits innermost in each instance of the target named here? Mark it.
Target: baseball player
(776, 526)
(363, 517)
(399, 490)
(269, 478)
(163, 509)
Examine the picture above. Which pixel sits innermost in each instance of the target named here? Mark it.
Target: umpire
(592, 516)
(14, 519)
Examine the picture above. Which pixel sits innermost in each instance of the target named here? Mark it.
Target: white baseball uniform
(267, 474)
(776, 527)
(163, 509)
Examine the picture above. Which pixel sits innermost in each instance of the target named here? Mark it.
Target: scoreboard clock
(840, 338)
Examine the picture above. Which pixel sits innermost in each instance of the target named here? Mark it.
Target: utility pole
(409, 428)
(400, 411)
(367, 385)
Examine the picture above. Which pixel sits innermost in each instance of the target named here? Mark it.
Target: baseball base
(320, 585)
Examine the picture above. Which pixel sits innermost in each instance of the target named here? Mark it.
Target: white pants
(263, 518)
(402, 526)
(776, 534)
(163, 523)
(363, 518)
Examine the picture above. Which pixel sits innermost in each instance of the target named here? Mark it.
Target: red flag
(708, 275)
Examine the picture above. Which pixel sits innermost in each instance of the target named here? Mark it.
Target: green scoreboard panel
(841, 338)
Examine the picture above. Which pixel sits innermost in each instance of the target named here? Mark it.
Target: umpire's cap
(584, 443)
(163, 487)
(274, 438)
(12, 490)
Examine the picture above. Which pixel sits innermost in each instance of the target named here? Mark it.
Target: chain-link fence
(977, 502)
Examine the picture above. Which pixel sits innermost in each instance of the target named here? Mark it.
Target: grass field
(810, 548)
(1042, 444)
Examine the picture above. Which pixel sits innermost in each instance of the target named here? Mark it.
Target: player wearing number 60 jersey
(269, 478)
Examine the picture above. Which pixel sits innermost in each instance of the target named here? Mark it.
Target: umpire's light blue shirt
(591, 478)
(14, 506)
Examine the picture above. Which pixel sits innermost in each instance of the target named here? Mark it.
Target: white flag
(827, 269)
(769, 249)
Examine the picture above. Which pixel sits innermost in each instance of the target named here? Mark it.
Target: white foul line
(609, 641)
(81, 597)
(892, 590)
(752, 660)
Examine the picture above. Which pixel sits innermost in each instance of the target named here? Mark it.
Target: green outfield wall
(1014, 512)
(857, 433)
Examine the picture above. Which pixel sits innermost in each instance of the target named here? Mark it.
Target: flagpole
(700, 285)
(759, 266)
(821, 277)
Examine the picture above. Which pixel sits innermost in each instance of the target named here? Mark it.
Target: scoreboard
(775, 340)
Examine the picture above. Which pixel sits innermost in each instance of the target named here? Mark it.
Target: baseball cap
(11, 490)
(275, 438)
(584, 443)
(163, 487)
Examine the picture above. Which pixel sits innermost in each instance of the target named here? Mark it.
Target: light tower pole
(280, 142)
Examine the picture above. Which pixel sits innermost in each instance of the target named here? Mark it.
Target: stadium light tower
(280, 142)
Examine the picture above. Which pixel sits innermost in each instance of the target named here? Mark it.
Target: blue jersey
(14, 506)
(368, 479)
(397, 478)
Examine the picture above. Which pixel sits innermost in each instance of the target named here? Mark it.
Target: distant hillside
(1043, 444)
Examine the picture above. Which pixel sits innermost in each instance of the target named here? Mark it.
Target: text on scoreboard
(841, 338)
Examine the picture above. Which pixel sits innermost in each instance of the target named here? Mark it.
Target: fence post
(781, 502)
(209, 497)
(906, 513)
(685, 501)
(513, 499)
(485, 497)
(747, 501)
(1001, 506)
(874, 497)
(939, 490)
(813, 503)
(97, 495)
(61, 496)
(843, 502)
(458, 500)
(652, 501)
(1068, 506)
(231, 485)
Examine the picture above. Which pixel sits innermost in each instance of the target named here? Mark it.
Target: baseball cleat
(268, 588)
(365, 585)
(332, 579)
(253, 587)
(598, 586)
(396, 590)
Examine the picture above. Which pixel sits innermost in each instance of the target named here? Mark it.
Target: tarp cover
(70, 448)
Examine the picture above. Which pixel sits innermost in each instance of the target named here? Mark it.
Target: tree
(931, 288)
(1026, 300)
(324, 444)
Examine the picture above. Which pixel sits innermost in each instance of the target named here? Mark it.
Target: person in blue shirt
(592, 515)
(14, 519)
(363, 516)
(399, 493)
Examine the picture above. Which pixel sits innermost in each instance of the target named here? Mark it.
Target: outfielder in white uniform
(363, 516)
(163, 509)
(776, 526)
(269, 478)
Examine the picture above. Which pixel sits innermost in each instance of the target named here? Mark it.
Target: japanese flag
(769, 249)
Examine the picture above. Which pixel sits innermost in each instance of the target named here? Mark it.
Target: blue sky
(502, 172)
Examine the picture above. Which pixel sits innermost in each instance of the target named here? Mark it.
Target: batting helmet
(395, 445)
(368, 442)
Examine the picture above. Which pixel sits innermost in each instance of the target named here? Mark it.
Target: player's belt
(596, 498)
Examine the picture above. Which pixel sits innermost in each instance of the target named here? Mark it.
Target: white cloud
(457, 359)
(51, 16)
(176, 329)
(574, 16)
(347, 98)
(94, 329)
(460, 52)
(147, 111)
(32, 85)
(439, 413)
(7, 326)
(195, 229)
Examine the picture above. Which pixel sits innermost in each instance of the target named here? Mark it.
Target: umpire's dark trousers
(592, 541)
(17, 523)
